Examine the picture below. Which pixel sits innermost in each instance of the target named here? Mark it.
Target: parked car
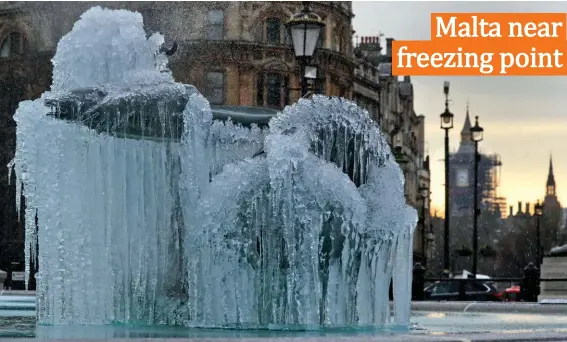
(474, 291)
(512, 294)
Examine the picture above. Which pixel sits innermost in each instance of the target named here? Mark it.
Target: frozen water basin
(426, 327)
(24, 326)
(440, 322)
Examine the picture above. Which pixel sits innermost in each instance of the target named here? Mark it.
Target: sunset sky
(524, 118)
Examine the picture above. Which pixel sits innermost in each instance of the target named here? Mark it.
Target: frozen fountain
(151, 211)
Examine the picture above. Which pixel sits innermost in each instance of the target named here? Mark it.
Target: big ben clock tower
(461, 192)
(552, 212)
(461, 165)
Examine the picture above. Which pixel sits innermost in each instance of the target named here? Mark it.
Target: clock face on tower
(462, 178)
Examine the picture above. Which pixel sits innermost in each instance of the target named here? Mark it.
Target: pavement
(491, 307)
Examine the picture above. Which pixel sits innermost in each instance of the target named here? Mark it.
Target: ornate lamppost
(304, 28)
(538, 213)
(446, 124)
(424, 196)
(476, 137)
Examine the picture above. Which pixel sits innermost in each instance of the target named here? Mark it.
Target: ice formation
(150, 212)
(307, 234)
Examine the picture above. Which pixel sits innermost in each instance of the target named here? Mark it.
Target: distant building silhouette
(462, 178)
(552, 212)
(516, 245)
(517, 241)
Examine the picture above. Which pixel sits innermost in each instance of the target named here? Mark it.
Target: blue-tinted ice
(152, 213)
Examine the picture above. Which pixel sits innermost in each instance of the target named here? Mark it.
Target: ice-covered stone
(110, 48)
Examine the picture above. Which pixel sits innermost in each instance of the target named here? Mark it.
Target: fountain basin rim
(85, 106)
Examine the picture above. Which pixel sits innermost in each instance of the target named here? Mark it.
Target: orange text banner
(499, 26)
(478, 57)
(485, 44)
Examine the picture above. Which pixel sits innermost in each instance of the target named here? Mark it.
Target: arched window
(272, 90)
(339, 42)
(272, 31)
(12, 45)
(6, 48)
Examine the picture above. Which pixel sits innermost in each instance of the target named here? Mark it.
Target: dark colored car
(474, 291)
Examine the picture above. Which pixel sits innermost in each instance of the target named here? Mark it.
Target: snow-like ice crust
(195, 231)
(110, 48)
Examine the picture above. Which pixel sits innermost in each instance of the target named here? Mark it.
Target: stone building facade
(517, 242)
(239, 53)
(236, 53)
(390, 102)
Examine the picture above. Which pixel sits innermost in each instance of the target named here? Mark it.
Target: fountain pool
(154, 210)
(512, 324)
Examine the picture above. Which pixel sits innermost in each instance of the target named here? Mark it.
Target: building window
(321, 40)
(287, 38)
(273, 31)
(259, 33)
(338, 42)
(6, 48)
(216, 25)
(215, 87)
(272, 90)
(12, 45)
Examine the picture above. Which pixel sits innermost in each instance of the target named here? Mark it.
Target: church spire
(466, 131)
(550, 176)
(550, 185)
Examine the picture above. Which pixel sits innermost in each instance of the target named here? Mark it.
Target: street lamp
(304, 28)
(538, 213)
(476, 137)
(424, 195)
(446, 124)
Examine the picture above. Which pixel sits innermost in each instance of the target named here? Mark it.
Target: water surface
(23, 324)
